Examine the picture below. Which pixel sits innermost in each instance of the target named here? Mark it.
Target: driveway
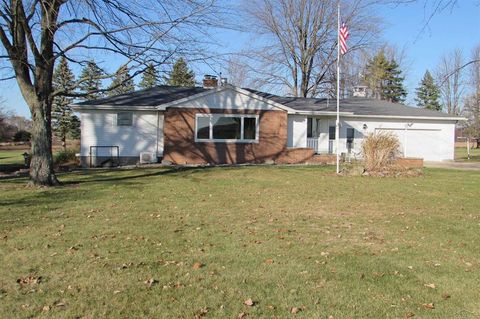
(471, 166)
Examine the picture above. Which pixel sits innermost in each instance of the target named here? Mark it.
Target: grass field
(461, 154)
(11, 156)
(126, 244)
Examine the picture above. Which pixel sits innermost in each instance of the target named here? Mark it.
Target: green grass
(11, 156)
(346, 247)
(461, 154)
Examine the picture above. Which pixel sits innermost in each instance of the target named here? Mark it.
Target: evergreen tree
(375, 73)
(181, 75)
(149, 78)
(63, 120)
(384, 78)
(428, 93)
(393, 89)
(122, 82)
(91, 81)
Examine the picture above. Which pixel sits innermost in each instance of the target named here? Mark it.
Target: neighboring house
(229, 125)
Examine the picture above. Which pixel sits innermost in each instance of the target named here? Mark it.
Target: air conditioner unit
(147, 157)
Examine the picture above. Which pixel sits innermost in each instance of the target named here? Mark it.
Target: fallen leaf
(249, 302)
(117, 292)
(429, 305)
(409, 314)
(295, 310)
(201, 313)
(242, 315)
(60, 304)
(46, 308)
(197, 265)
(430, 286)
(269, 261)
(29, 280)
(150, 282)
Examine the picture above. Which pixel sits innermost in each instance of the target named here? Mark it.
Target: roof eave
(410, 117)
(89, 107)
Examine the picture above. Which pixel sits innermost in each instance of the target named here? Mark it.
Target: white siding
(431, 140)
(297, 131)
(99, 128)
(228, 99)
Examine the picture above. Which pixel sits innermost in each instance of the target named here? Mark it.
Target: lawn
(161, 243)
(11, 157)
(462, 155)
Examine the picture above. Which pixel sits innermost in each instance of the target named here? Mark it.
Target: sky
(457, 27)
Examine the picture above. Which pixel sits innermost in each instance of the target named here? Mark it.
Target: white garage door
(422, 143)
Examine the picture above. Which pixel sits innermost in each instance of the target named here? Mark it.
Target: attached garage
(421, 140)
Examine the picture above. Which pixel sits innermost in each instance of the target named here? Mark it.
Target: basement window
(124, 118)
(235, 128)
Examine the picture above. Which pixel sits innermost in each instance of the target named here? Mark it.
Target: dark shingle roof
(148, 97)
(356, 105)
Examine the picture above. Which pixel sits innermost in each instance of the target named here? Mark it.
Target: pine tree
(122, 82)
(428, 93)
(375, 73)
(393, 89)
(64, 122)
(181, 75)
(90, 80)
(384, 78)
(149, 78)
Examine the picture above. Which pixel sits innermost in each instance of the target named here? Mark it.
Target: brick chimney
(210, 81)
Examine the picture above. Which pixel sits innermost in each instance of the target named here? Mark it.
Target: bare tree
(238, 72)
(301, 37)
(35, 33)
(450, 79)
(472, 101)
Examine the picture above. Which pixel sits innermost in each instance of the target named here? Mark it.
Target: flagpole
(337, 123)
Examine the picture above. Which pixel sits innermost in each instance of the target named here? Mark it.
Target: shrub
(65, 156)
(379, 151)
(22, 136)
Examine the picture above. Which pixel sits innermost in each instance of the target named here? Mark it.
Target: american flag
(343, 39)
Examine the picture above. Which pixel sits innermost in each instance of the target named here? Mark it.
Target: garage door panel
(422, 143)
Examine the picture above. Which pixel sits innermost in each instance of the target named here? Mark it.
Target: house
(225, 124)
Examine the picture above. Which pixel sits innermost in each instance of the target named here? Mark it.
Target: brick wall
(180, 146)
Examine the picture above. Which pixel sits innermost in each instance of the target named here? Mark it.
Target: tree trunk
(41, 165)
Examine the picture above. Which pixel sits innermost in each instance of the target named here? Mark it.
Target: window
(249, 128)
(310, 127)
(203, 127)
(226, 128)
(350, 137)
(331, 132)
(124, 119)
(350, 134)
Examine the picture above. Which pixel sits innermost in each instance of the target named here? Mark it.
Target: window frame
(242, 140)
(124, 112)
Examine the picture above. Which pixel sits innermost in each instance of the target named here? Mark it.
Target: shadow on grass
(96, 176)
(10, 168)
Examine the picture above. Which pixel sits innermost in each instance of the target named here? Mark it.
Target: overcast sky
(448, 30)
